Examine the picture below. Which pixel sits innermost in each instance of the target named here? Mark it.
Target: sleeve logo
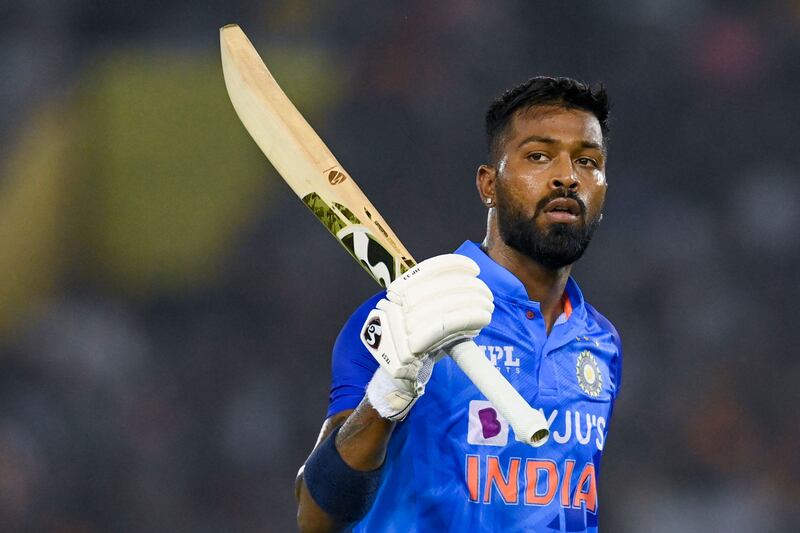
(588, 372)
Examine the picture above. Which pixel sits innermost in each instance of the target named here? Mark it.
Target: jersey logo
(502, 357)
(588, 372)
(372, 333)
(486, 426)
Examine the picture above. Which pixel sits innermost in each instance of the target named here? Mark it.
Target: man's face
(550, 183)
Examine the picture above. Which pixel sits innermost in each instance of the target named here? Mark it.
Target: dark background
(167, 305)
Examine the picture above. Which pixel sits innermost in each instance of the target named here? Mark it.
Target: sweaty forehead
(569, 125)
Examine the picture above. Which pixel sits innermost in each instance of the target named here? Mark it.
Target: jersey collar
(507, 285)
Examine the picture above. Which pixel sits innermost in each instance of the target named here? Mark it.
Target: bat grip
(530, 425)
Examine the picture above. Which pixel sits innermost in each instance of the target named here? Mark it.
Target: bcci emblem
(589, 377)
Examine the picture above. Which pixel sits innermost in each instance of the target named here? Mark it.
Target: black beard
(553, 248)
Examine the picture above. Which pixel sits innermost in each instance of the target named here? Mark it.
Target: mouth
(562, 211)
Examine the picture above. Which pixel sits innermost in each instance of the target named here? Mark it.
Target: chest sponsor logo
(486, 425)
(590, 378)
(503, 357)
(573, 426)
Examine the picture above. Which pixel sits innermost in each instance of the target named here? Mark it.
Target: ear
(484, 181)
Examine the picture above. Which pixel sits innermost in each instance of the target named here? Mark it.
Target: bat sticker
(372, 256)
(344, 225)
(333, 219)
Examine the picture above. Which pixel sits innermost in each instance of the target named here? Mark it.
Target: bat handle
(530, 425)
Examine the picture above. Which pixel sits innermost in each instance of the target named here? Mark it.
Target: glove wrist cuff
(386, 397)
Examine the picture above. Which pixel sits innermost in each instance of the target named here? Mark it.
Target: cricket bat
(314, 174)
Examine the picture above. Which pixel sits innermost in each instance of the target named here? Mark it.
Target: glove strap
(386, 397)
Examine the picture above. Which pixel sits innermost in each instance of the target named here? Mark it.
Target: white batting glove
(434, 305)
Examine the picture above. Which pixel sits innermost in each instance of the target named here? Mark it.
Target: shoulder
(352, 328)
(604, 324)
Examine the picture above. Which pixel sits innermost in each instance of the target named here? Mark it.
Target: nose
(564, 176)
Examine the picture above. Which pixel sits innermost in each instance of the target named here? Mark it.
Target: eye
(538, 156)
(587, 161)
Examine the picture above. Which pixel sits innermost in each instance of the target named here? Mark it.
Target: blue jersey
(454, 464)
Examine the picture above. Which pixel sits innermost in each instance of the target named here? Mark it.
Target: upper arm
(352, 366)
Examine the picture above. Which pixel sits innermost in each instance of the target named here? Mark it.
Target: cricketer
(409, 443)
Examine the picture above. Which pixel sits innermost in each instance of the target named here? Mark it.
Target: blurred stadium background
(167, 305)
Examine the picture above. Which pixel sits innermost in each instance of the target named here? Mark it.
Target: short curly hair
(543, 90)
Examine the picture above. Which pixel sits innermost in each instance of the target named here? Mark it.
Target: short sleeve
(352, 366)
(616, 364)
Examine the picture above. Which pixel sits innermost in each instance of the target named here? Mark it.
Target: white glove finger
(447, 278)
(450, 301)
(443, 289)
(434, 267)
(396, 318)
(465, 320)
(423, 314)
(383, 303)
(431, 333)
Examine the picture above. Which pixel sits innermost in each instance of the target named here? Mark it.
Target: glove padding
(434, 305)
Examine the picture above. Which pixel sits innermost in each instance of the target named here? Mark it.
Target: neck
(543, 285)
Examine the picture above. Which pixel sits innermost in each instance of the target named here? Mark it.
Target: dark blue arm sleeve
(352, 366)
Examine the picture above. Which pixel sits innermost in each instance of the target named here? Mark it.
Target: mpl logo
(502, 357)
(486, 425)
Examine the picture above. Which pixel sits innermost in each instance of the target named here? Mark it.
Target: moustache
(559, 194)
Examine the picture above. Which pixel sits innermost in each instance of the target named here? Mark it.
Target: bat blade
(305, 163)
(311, 170)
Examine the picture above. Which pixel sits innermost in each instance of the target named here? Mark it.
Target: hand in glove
(436, 304)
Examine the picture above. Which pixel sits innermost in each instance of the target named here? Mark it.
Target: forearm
(364, 437)
(361, 443)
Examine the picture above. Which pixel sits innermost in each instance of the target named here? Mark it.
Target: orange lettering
(565, 484)
(473, 474)
(532, 470)
(589, 495)
(494, 476)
